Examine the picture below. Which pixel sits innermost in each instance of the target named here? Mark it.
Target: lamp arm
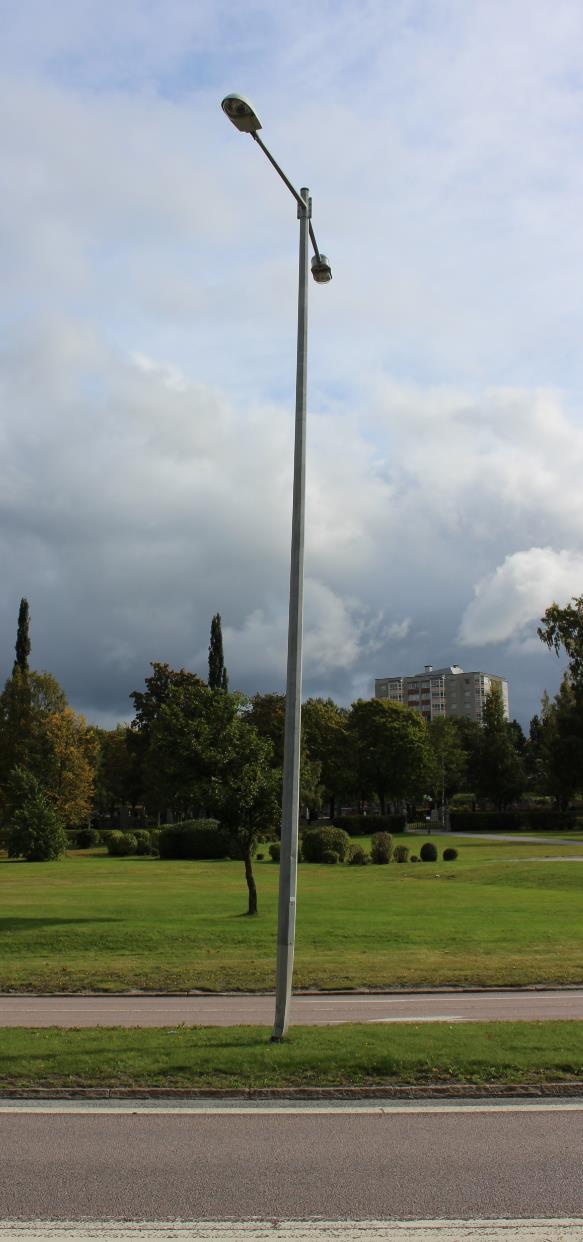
(291, 188)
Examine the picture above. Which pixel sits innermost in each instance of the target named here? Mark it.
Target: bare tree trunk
(250, 878)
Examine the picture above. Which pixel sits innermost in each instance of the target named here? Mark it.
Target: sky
(148, 302)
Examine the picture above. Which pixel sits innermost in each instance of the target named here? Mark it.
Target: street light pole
(244, 117)
(290, 802)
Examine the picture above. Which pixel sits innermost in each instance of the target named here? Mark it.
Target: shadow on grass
(8, 923)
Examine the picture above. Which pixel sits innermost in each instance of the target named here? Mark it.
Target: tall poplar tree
(23, 638)
(218, 679)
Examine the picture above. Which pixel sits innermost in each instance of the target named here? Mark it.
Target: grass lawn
(351, 1055)
(500, 914)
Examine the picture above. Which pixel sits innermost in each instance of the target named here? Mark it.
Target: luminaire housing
(241, 113)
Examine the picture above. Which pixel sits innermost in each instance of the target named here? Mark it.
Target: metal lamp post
(245, 119)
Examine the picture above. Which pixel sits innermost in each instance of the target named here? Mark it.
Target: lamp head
(241, 113)
(321, 270)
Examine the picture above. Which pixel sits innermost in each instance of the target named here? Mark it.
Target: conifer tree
(23, 638)
(218, 679)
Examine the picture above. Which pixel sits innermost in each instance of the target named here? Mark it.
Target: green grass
(243, 1057)
(492, 917)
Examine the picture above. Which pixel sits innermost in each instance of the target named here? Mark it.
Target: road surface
(162, 1162)
(313, 1010)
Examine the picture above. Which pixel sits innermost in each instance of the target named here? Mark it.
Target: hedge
(542, 819)
(196, 838)
(364, 825)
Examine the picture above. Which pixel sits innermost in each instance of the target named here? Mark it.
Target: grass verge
(243, 1057)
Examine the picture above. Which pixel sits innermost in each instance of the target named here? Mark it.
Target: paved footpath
(316, 1009)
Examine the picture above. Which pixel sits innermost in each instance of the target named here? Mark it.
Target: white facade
(440, 692)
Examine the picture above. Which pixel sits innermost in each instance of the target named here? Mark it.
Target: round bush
(401, 853)
(414, 858)
(275, 851)
(120, 844)
(143, 842)
(330, 856)
(317, 840)
(356, 856)
(381, 847)
(428, 852)
(449, 855)
(196, 838)
(87, 838)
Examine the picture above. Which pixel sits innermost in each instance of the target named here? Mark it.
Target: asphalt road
(313, 1010)
(334, 1163)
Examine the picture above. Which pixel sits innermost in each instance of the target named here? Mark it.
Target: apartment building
(440, 692)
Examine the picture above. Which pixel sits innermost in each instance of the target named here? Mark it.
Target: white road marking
(552, 1230)
(283, 1108)
(437, 1017)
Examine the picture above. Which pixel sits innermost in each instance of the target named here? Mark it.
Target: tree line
(195, 748)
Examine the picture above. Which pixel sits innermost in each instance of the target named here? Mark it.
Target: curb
(441, 989)
(455, 1091)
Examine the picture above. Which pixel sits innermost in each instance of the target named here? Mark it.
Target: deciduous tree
(391, 748)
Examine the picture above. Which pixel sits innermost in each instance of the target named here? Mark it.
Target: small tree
(35, 831)
(246, 799)
(218, 679)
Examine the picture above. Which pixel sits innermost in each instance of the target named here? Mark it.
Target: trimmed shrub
(414, 858)
(356, 856)
(449, 855)
(120, 844)
(275, 851)
(401, 853)
(87, 838)
(381, 847)
(330, 856)
(196, 838)
(428, 852)
(362, 825)
(155, 840)
(143, 841)
(317, 840)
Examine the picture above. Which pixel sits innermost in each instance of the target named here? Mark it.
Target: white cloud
(149, 297)
(517, 593)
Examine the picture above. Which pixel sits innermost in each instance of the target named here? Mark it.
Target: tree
(496, 768)
(116, 777)
(159, 772)
(563, 627)
(247, 799)
(449, 759)
(68, 774)
(328, 743)
(35, 831)
(26, 703)
(23, 637)
(266, 713)
(557, 745)
(218, 679)
(391, 748)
